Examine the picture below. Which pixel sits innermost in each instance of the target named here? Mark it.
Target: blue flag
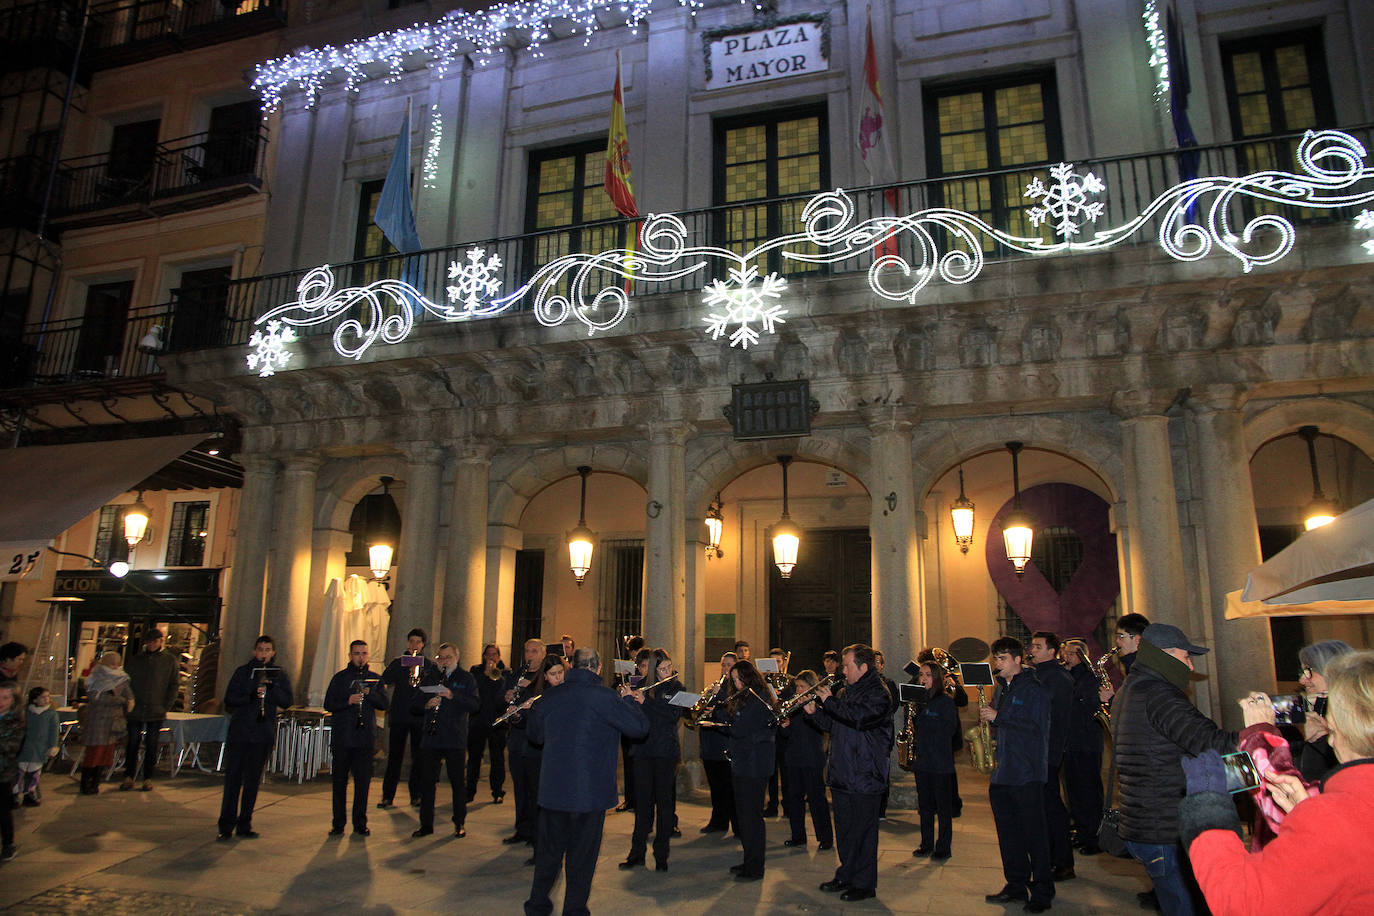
(1180, 86)
(395, 209)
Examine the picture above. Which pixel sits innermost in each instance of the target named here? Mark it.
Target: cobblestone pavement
(72, 899)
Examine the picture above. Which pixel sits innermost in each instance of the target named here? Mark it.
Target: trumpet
(787, 708)
(704, 705)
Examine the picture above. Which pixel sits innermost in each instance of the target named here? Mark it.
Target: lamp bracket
(653, 508)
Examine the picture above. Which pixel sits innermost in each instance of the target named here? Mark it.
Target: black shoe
(361, 831)
(1063, 873)
(660, 866)
(336, 831)
(223, 835)
(770, 811)
(825, 844)
(1006, 895)
(677, 831)
(423, 831)
(749, 876)
(709, 829)
(385, 803)
(920, 852)
(736, 869)
(632, 862)
(471, 796)
(859, 893)
(249, 834)
(31, 801)
(1035, 906)
(1089, 849)
(460, 833)
(624, 806)
(939, 856)
(414, 803)
(514, 838)
(834, 885)
(497, 799)
(792, 843)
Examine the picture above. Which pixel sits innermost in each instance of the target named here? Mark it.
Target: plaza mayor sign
(783, 49)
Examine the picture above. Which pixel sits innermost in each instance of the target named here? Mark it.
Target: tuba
(981, 750)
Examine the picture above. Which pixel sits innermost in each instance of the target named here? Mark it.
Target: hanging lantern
(1320, 511)
(383, 529)
(580, 539)
(136, 521)
(715, 525)
(961, 517)
(1018, 528)
(786, 535)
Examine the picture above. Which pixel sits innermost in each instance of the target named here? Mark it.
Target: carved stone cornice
(881, 417)
(1144, 402)
(1217, 398)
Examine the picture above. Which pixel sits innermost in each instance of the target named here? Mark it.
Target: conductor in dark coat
(579, 724)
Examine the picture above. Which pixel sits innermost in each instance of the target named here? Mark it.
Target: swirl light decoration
(1194, 219)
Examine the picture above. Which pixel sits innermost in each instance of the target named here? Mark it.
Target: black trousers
(803, 786)
(574, 838)
(525, 783)
(1057, 822)
(355, 762)
(452, 760)
(656, 804)
(147, 733)
(6, 816)
(628, 769)
(482, 737)
(749, 825)
(856, 837)
(1023, 839)
(777, 783)
(243, 765)
(935, 800)
(722, 795)
(398, 736)
(1083, 786)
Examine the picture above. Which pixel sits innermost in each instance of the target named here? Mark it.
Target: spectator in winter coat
(108, 699)
(11, 739)
(1314, 756)
(154, 677)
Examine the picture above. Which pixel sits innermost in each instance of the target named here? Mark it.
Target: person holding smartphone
(1315, 757)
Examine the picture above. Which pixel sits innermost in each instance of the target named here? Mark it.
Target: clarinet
(432, 712)
(264, 681)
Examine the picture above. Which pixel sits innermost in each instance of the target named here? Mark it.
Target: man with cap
(1154, 725)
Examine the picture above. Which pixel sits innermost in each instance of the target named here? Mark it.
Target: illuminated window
(761, 158)
(368, 240)
(993, 128)
(1275, 84)
(567, 208)
(187, 533)
(110, 545)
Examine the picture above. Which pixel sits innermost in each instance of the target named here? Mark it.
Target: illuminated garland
(1194, 219)
(1158, 42)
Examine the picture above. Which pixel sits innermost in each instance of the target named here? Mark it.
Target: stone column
(465, 582)
(1155, 559)
(242, 620)
(1243, 650)
(665, 546)
(503, 541)
(413, 605)
(289, 584)
(898, 608)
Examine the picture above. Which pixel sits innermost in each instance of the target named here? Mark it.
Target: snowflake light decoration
(1365, 221)
(744, 303)
(269, 349)
(476, 279)
(1066, 200)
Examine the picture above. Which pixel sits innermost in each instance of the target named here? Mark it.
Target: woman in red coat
(1316, 864)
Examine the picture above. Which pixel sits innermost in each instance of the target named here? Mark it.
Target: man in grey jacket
(153, 677)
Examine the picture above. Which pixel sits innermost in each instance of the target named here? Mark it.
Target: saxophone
(702, 706)
(1104, 712)
(906, 741)
(981, 750)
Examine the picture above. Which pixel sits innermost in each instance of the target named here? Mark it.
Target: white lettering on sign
(752, 57)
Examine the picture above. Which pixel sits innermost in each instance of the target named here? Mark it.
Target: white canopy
(356, 609)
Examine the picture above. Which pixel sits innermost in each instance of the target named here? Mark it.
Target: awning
(49, 488)
(1329, 570)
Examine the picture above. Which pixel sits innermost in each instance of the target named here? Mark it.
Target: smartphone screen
(1241, 774)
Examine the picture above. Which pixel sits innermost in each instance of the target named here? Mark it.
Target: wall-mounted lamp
(383, 527)
(715, 525)
(786, 535)
(961, 516)
(580, 539)
(1018, 528)
(136, 522)
(1320, 511)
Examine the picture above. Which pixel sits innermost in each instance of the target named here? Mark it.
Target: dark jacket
(241, 702)
(154, 678)
(12, 727)
(354, 726)
(861, 734)
(580, 722)
(1153, 726)
(1055, 678)
(752, 750)
(662, 740)
(517, 743)
(446, 728)
(714, 741)
(895, 698)
(397, 677)
(1022, 731)
(492, 694)
(934, 729)
(1085, 733)
(805, 743)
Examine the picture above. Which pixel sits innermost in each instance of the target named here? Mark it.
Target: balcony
(85, 352)
(39, 34)
(22, 179)
(127, 31)
(188, 173)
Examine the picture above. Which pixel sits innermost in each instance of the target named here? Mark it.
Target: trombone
(788, 707)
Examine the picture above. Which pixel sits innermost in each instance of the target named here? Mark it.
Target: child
(40, 743)
(11, 739)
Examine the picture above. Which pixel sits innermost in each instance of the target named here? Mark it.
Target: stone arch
(518, 475)
(342, 482)
(1344, 419)
(1091, 440)
(714, 462)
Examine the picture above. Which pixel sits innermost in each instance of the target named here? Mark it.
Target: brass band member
(552, 672)
(713, 757)
(881, 662)
(526, 792)
(445, 737)
(1083, 756)
(804, 762)
(490, 676)
(743, 652)
(777, 782)
(403, 726)
(749, 716)
(655, 762)
(351, 698)
(1054, 677)
(830, 660)
(633, 646)
(936, 727)
(955, 689)
(256, 691)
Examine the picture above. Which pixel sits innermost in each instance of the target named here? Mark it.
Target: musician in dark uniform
(403, 725)
(935, 725)
(552, 671)
(1056, 679)
(578, 724)
(956, 691)
(634, 645)
(526, 794)
(804, 760)
(749, 723)
(713, 744)
(444, 718)
(352, 698)
(881, 661)
(777, 782)
(255, 692)
(655, 762)
(490, 676)
(1083, 756)
(860, 724)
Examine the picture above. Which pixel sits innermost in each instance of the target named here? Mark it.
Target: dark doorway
(133, 148)
(102, 330)
(231, 145)
(527, 617)
(1286, 633)
(199, 308)
(827, 604)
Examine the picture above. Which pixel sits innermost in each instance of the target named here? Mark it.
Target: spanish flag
(618, 183)
(873, 145)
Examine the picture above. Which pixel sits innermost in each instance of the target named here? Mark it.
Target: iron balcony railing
(84, 350)
(196, 164)
(34, 34)
(120, 27)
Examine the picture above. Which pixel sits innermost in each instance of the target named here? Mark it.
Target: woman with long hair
(551, 673)
(108, 698)
(655, 761)
(932, 762)
(749, 723)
